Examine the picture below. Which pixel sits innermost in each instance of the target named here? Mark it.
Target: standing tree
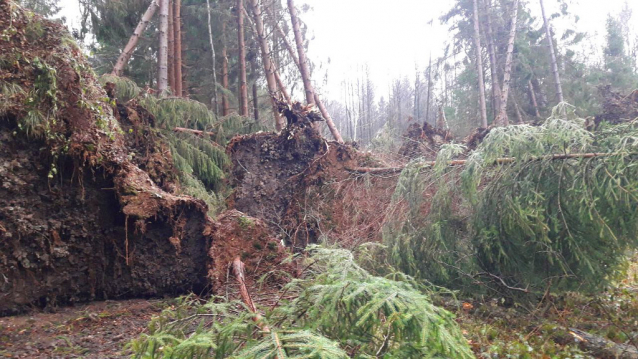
(177, 23)
(162, 58)
(212, 49)
(501, 119)
(548, 34)
(243, 87)
(269, 68)
(479, 65)
(491, 49)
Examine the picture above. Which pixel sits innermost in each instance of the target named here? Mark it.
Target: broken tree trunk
(548, 34)
(162, 76)
(243, 87)
(602, 347)
(269, 68)
(126, 54)
(501, 118)
(498, 161)
(238, 269)
(479, 66)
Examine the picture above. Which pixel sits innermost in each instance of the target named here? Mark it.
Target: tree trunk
(496, 87)
(303, 63)
(479, 66)
(559, 88)
(269, 69)
(501, 119)
(324, 112)
(427, 101)
(212, 49)
(282, 88)
(243, 88)
(532, 96)
(171, 49)
(225, 105)
(179, 82)
(162, 77)
(125, 56)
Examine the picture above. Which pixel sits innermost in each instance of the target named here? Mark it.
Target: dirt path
(93, 330)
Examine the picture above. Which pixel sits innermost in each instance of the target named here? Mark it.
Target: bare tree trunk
(501, 119)
(225, 105)
(126, 54)
(177, 26)
(243, 88)
(303, 63)
(269, 69)
(282, 88)
(532, 96)
(559, 88)
(427, 102)
(212, 49)
(496, 87)
(171, 48)
(162, 83)
(479, 66)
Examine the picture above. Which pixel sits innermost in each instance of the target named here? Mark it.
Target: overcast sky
(391, 37)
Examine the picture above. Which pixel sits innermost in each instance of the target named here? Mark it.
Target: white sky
(391, 37)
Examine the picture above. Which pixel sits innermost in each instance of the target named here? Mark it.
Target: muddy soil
(66, 239)
(94, 330)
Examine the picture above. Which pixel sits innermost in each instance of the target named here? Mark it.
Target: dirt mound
(84, 207)
(235, 234)
(617, 107)
(423, 141)
(280, 177)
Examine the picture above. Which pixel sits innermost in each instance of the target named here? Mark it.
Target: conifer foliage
(541, 219)
(340, 311)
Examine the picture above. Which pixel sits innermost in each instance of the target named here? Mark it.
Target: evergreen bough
(528, 225)
(340, 311)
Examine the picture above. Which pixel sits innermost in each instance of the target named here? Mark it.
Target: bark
(498, 161)
(255, 103)
(212, 49)
(479, 66)
(548, 34)
(225, 105)
(532, 96)
(303, 62)
(179, 82)
(269, 69)
(238, 269)
(603, 347)
(171, 48)
(441, 121)
(162, 83)
(501, 119)
(427, 102)
(324, 112)
(125, 56)
(491, 49)
(243, 88)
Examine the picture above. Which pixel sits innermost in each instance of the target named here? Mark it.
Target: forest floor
(103, 329)
(92, 330)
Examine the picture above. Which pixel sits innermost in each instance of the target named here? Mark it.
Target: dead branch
(602, 347)
(196, 132)
(499, 161)
(238, 268)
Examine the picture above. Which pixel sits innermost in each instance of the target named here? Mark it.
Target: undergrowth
(339, 310)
